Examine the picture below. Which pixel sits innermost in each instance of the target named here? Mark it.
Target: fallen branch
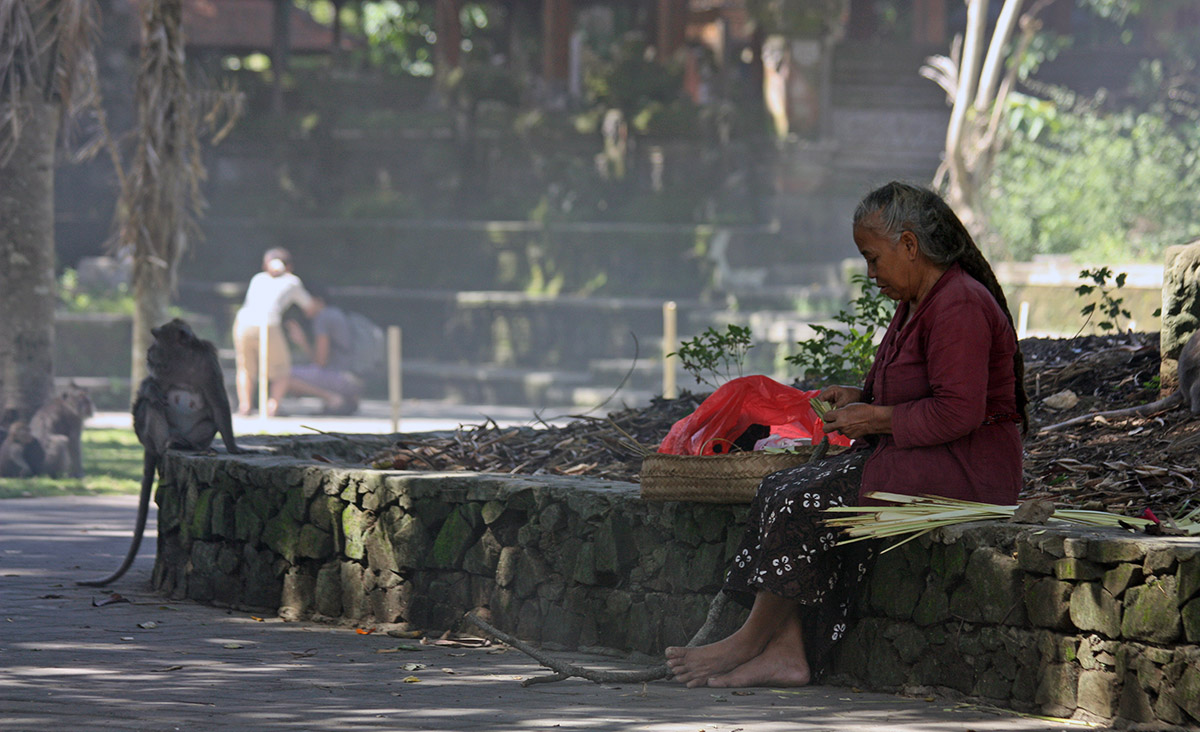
(563, 670)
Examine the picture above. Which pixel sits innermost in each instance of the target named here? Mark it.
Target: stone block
(1073, 568)
(261, 584)
(991, 685)
(389, 605)
(1097, 693)
(1187, 579)
(933, 606)
(994, 580)
(298, 590)
(584, 571)
(1135, 704)
(911, 644)
(1159, 561)
(1121, 577)
(170, 508)
(355, 603)
(1094, 609)
(942, 665)
(1186, 693)
(614, 549)
(325, 512)
(1190, 617)
(483, 556)
(894, 589)
(247, 525)
(1048, 603)
(506, 566)
(327, 592)
(282, 536)
(314, 543)
(199, 526)
(1057, 689)
(1152, 613)
(355, 523)
(1032, 557)
(223, 522)
(1115, 549)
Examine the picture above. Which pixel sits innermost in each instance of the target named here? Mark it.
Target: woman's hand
(840, 396)
(857, 420)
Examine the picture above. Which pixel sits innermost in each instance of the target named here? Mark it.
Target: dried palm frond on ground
(601, 447)
(1122, 467)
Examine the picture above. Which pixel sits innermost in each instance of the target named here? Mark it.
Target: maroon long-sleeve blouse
(948, 371)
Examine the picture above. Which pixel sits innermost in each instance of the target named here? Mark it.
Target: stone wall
(567, 561)
(1067, 622)
(1062, 621)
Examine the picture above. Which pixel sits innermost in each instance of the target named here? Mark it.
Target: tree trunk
(27, 286)
(152, 298)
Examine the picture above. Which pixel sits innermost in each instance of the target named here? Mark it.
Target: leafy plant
(1110, 307)
(74, 298)
(844, 355)
(715, 354)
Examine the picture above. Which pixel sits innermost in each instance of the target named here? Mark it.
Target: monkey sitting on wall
(181, 404)
(63, 416)
(21, 455)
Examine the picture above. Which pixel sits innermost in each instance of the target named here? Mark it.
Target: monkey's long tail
(149, 465)
(1170, 401)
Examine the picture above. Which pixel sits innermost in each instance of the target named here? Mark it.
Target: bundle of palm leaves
(914, 516)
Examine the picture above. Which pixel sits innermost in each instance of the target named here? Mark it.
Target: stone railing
(1068, 622)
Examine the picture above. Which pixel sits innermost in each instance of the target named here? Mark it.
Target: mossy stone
(200, 521)
(1190, 616)
(282, 536)
(247, 524)
(453, 540)
(1093, 608)
(354, 529)
(1048, 603)
(314, 543)
(1152, 613)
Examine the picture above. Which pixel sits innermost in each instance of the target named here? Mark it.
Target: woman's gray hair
(892, 209)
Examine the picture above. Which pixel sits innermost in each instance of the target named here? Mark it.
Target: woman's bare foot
(782, 663)
(694, 666)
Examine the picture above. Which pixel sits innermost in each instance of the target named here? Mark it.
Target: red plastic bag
(727, 412)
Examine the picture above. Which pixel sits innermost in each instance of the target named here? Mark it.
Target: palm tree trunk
(27, 285)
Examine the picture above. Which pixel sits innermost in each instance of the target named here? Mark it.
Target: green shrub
(1099, 186)
(844, 355)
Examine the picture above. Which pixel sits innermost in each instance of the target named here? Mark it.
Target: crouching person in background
(328, 373)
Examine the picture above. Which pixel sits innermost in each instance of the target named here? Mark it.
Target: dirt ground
(1124, 465)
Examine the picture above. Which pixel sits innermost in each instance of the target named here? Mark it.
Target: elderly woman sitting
(938, 414)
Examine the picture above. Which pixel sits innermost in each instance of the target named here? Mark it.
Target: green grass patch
(112, 464)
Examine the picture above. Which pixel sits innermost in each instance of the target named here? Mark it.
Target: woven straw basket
(729, 478)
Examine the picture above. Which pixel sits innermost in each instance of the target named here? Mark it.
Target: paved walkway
(70, 662)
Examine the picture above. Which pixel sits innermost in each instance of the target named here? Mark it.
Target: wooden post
(263, 371)
(1023, 320)
(670, 336)
(393, 365)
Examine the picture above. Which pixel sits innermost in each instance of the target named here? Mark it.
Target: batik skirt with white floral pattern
(789, 552)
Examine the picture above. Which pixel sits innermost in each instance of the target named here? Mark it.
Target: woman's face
(889, 264)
